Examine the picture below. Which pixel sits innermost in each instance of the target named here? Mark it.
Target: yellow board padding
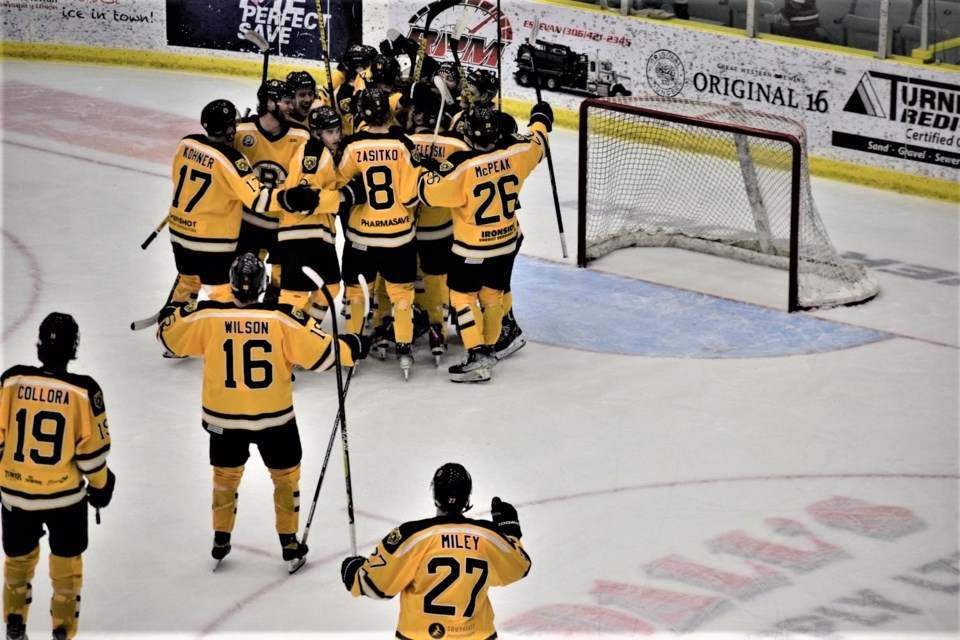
(833, 169)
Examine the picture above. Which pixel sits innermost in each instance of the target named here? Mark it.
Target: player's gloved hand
(353, 193)
(298, 198)
(100, 498)
(359, 345)
(349, 568)
(505, 517)
(542, 112)
(168, 311)
(430, 164)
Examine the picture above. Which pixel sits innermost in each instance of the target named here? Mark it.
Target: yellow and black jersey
(314, 166)
(213, 182)
(435, 223)
(346, 95)
(390, 166)
(482, 189)
(270, 156)
(394, 100)
(53, 432)
(248, 356)
(442, 568)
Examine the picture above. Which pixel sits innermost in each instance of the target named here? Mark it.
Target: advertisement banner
(290, 26)
(856, 109)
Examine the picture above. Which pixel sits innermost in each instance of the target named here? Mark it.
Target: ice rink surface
(687, 459)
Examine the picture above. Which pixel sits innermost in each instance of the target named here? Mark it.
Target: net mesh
(718, 184)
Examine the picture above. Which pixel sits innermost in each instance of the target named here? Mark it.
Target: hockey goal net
(724, 180)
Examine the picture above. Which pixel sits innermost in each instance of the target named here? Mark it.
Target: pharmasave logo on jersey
(478, 43)
(665, 73)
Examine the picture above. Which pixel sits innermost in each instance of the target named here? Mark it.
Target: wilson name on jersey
(482, 188)
(435, 223)
(248, 355)
(270, 156)
(442, 568)
(53, 432)
(390, 167)
(213, 182)
(315, 167)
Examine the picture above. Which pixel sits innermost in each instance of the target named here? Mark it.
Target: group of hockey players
(424, 175)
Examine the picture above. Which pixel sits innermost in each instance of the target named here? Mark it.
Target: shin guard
(185, 289)
(317, 306)
(226, 482)
(17, 592)
(353, 302)
(286, 498)
(434, 297)
(491, 301)
(469, 318)
(401, 297)
(66, 574)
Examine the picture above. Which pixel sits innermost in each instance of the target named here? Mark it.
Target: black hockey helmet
(452, 486)
(426, 100)
(272, 89)
(217, 117)
(247, 277)
(485, 82)
(385, 70)
(374, 106)
(58, 339)
(483, 126)
(358, 55)
(324, 118)
(298, 80)
(449, 72)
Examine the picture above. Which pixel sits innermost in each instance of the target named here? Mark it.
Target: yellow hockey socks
(67, 577)
(286, 498)
(17, 573)
(226, 482)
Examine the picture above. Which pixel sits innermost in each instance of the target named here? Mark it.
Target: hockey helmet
(426, 100)
(452, 486)
(374, 106)
(58, 339)
(483, 126)
(217, 117)
(358, 55)
(247, 277)
(385, 70)
(298, 80)
(275, 90)
(449, 72)
(324, 118)
(485, 83)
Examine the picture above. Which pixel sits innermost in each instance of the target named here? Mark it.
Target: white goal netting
(712, 178)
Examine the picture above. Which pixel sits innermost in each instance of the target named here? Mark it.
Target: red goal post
(713, 178)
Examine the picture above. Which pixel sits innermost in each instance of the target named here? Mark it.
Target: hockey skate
(382, 338)
(511, 338)
(221, 547)
(170, 354)
(294, 552)
(421, 323)
(438, 344)
(475, 366)
(405, 358)
(16, 630)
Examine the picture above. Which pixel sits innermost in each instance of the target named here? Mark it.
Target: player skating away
(269, 141)
(434, 224)
(482, 188)
(380, 232)
(443, 567)
(212, 184)
(309, 239)
(249, 349)
(53, 436)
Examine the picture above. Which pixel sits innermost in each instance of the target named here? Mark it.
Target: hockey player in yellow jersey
(213, 183)
(54, 440)
(482, 186)
(305, 96)
(434, 224)
(442, 567)
(349, 80)
(269, 141)
(249, 349)
(310, 239)
(380, 232)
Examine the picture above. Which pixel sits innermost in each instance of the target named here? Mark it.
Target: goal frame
(796, 151)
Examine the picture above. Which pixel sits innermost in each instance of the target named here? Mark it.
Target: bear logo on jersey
(310, 163)
(446, 166)
(98, 401)
(297, 313)
(242, 165)
(248, 141)
(394, 537)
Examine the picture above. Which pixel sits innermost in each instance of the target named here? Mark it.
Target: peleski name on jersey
(459, 541)
(377, 155)
(502, 164)
(249, 326)
(43, 394)
(196, 156)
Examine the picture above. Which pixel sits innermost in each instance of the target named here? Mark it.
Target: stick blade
(534, 30)
(442, 88)
(257, 39)
(465, 16)
(314, 276)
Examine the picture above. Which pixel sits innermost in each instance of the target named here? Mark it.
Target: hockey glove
(505, 517)
(359, 345)
(349, 568)
(168, 311)
(299, 198)
(353, 193)
(542, 112)
(100, 498)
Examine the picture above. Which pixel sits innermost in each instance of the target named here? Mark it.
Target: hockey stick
(445, 99)
(532, 41)
(146, 323)
(465, 16)
(433, 10)
(325, 49)
(341, 419)
(499, 58)
(263, 45)
(150, 238)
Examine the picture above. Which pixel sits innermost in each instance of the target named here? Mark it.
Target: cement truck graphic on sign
(560, 68)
